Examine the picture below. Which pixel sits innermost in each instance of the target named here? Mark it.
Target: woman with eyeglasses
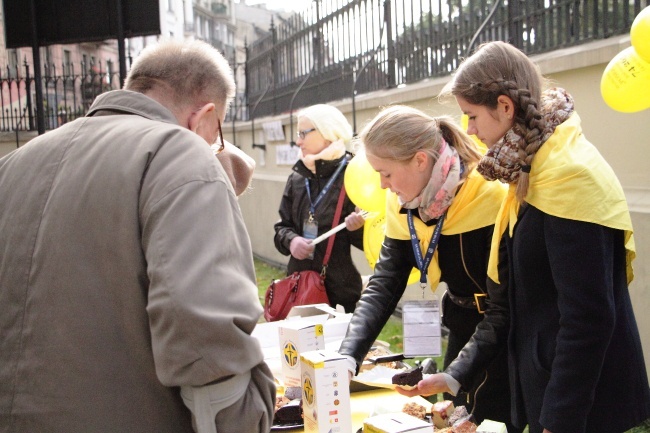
(309, 202)
(439, 219)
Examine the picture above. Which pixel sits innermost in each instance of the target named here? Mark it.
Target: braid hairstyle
(399, 131)
(498, 68)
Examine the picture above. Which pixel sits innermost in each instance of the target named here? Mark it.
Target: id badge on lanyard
(310, 225)
(421, 322)
(421, 319)
(310, 231)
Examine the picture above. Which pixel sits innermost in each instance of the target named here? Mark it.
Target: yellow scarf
(474, 207)
(569, 179)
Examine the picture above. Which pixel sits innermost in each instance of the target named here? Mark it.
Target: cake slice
(414, 409)
(459, 413)
(409, 377)
(464, 427)
(290, 413)
(440, 413)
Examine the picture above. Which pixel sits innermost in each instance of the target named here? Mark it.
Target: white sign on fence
(286, 154)
(273, 131)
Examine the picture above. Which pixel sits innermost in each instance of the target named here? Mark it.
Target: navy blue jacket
(576, 361)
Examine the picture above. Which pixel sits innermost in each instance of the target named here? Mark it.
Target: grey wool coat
(126, 271)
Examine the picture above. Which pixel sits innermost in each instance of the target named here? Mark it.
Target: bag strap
(335, 222)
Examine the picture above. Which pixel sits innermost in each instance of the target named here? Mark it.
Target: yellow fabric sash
(569, 179)
(475, 206)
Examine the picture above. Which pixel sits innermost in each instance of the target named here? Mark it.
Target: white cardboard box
(326, 393)
(313, 310)
(335, 325)
(296, 337)
(399, 422)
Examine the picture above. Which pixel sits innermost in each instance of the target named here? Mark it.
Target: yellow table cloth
(365, 403)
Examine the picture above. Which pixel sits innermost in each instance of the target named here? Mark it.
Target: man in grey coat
(126, 271)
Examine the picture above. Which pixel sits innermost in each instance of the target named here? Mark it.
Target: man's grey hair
(190, 73)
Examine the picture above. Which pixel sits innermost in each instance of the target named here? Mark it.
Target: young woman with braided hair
(568, 235)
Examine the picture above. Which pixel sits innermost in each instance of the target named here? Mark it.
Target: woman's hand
(434, 384)
(301, 248)
(354, 221)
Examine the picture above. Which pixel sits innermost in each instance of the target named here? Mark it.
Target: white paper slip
(421, 324)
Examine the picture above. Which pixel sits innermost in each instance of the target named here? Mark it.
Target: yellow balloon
(625, 84)
(363, 185)
(640, 34)
(373, 237)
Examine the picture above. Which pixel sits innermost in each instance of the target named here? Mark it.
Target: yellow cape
(569, 179)
(475, 206)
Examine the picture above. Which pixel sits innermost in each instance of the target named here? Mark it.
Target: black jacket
(463, 263)
(343, 282)
(577, 364)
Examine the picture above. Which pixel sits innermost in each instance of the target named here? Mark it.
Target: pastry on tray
(289, 413)
(414, 409)
(440, 413)
(408, 379)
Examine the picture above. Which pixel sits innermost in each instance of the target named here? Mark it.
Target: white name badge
(421, 321)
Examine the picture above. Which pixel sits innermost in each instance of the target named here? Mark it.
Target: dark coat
(576, 359)
(342, 281)
(463, 264)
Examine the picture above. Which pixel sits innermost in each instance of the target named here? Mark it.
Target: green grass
(642, 428)
(392, 332)
(265, 274)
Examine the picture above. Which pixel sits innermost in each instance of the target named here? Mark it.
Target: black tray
(287, 427)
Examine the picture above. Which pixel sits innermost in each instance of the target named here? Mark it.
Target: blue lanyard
(328, 185)
(423, 262)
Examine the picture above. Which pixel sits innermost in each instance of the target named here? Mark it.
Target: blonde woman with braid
(428, 164)
(576, 363)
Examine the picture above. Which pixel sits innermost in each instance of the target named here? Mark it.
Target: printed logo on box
(290, 354)
(308, 390)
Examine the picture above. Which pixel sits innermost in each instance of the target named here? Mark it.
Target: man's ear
(197, 116)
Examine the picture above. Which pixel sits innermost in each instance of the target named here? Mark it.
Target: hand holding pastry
(431, 384)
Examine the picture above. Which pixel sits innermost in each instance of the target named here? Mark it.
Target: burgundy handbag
(303, 287)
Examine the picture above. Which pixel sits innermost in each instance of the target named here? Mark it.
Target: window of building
(170, 5)
(12, 62)
(46, 55)
(109, 71)
(67, 62)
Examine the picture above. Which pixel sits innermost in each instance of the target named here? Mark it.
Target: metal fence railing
(66, 94)
(338, 48)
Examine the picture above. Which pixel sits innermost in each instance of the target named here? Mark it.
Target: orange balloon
(625, 84)
(373, 237)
